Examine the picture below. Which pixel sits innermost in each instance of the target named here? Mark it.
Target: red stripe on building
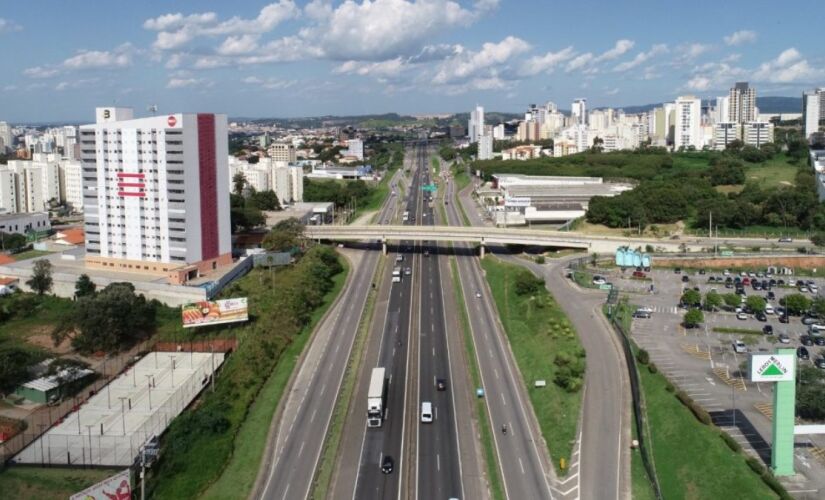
(126, 174)
(207, 166)
(131, 185)
(128, 193)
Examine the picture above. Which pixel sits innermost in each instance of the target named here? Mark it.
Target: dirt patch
(43, 338)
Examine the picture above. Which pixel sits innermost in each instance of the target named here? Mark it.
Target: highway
(521, 451)
(438, 463)
(296, 439)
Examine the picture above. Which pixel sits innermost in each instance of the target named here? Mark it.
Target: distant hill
(767, 104)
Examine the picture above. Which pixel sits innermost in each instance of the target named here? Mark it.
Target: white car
(739, 347)
(726, 273)
(769, 309)
(813, 288)
(646, 309)
(791, 282)
(598, 280)
(742, 316)
(738, 310)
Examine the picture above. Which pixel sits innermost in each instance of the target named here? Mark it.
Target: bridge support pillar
(482, 250)
(384, 247)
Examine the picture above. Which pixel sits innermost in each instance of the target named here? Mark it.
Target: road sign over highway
(429, 187)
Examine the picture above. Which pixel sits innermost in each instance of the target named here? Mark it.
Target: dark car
(701, 271)
(767, 330)
(760, 316)
(784, 319)
(441, 384)
(781, 282)
(771, 296)
(802, 353)
(685, 279)
(757, 286)
(678, 270)
(806, 340)
(772, 282)
(820, 341)
(766, 285)
(387, 464)
(641, 314)
(639, 274)
(820, 363)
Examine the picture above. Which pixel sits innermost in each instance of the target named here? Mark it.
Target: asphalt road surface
(522, 459)
(297, 439)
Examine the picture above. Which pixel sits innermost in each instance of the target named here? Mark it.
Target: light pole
(149, 384)
(89, 429)
(172, 360)
(123, 412)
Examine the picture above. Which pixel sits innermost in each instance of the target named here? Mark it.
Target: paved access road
(521, 454)
(297, 439)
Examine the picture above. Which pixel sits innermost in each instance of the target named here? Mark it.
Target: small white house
(8, 285)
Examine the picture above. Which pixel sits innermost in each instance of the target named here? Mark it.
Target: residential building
(687, 127)
(528, 130)
(355, 147)
(282, 152)
(579, 112)
(812, 104)
(156, 193)
(521, 153)
(288, 183)
(498, 132)
(6, 137)
(485, 147)
(23, 223)
(9, 199)
(475, 125)
(71, 183)
(256, 175)
(742, 106)
(757, 133)
(722, 110)
(36, 183)
(724, 133)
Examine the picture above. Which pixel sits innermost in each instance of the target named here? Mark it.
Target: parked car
(641, 314)
(741, 316)
(813, 288)
(785, 240)
(783, 338)
(598, 280)
(726, 272)
(739, 347)
(767, 330)
(639, 274)
(806, 340)
(820, 363)
(760, 316)
(746, 281)
(769, 309)
(701, 271)
(804, 289)
(820, 341)
(771, 296)
(802, 352)
(784, 319)
(685, 279)
(809, 320)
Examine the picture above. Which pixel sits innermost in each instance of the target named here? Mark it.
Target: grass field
(25, 483)
(539, 332)
(692, 461)
(47, 312)
(776, 172)
(30, 254)
(239, 475)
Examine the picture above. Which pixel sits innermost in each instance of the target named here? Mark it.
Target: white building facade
(688, 123)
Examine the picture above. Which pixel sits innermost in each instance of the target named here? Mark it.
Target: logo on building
(129, 184)
(171, 121)
(772, 367)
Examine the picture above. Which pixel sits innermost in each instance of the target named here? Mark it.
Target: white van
(426, 412)
(816, 329)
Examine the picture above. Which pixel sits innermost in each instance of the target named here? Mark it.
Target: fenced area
(110, 428)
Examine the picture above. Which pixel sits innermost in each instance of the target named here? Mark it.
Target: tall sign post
(779, 368)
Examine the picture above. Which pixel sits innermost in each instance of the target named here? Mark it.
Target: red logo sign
(171, 121)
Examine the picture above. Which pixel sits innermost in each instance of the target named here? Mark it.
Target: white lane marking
(301, 449)
(521, 465)
(504, 401)
(438, 462)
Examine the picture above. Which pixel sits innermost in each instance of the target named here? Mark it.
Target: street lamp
(149, 384)
(123, 412)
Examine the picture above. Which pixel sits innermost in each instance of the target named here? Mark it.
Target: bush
(732, 444)
(698, 412)
(775, 485)
(652, 368)
(642, 356)
(527, 283)
(755, 464)
(540, 259)
(670, 387)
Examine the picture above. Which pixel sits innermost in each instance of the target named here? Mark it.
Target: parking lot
(703, 363)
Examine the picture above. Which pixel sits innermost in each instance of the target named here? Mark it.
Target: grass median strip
(326, 466)
(737, 331)
(490, 458)
(546, 347)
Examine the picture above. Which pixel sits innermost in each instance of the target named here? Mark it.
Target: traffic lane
(522, 467)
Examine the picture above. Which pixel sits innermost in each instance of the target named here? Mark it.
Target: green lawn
(30, 254)
(461, 177)
(239, 475)
(776, 172)
(46, 313)
(539, 331)
(26, 483)
(692, 461)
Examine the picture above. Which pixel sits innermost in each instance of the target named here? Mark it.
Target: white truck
(396, 274)
(375, 397)
(406, 216)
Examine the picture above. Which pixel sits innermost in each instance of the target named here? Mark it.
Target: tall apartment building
(528, 131)
(355, 147)
(688, 123)
(742, 103)
(36, 183)
(485, 147)
(8, 192)
(288, 183)
(71, 183)
(281, 152)
(156, 193)
(722, 110)
(578, 112)
(498, 132)
(813, 102)
(757, 133)
(6, 137)
(724, 133)
(475, 125)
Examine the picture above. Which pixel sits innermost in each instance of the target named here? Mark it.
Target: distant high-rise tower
(742, 103)
(579, 112)
(475, 126)
(812, 110)
(687, 126)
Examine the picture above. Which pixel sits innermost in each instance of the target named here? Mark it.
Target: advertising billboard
(772, 367)
(117, 487)
(214, 312)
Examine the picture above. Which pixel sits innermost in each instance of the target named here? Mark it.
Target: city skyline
(286, 59)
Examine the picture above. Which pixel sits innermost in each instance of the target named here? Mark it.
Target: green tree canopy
(756, 303)
(41, 279)
(693, 318)
(713, 300)
(285, 236)
(796, 303)
(84, 286)
(731, 300)
(691, 298)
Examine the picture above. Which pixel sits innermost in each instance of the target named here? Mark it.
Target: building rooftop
(44, 384)
(72, 236)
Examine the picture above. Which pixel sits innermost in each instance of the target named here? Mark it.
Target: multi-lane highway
(521, 452)
(296, 440)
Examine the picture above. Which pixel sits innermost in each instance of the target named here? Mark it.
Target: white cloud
(740, 37)
(176, 30)
(76, 84)
(382, 69)
(235, 45)
(619, 49)
(548, 62)
(7, 26)
(642, 57)
(690, 51)
(40, 72)
(120, 57)
(788, 67)
(468, 64)
(579, 61)
(714, 76)
(699, 82)
(588, 61)
(181, 83)
(270, 83)
(612, 91)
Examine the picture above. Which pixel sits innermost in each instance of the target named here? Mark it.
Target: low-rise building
(526, 152)
(757, 133)
(341, 172)
(24, 223)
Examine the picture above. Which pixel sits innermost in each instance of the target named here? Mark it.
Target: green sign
(429, 187)
(727, 253)
(606, 286)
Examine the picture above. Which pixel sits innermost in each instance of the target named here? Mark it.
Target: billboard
(117, 487)
(517, 202)
(214, 312)
(772, 367)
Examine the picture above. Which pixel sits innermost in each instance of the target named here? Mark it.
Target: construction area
(110, 428)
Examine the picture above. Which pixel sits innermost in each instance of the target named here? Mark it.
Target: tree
(731, 300)
(691, 298)
(238, 183)
(756, 303)
(264, 200)
(12, 242)
(818, 239)
(796, 303)
(735, 145)
(818, 307)
(693, 318)
(810, 393)
(41, 280)
(713, 301)
(285, 236)
(84, 286)
(526, 283)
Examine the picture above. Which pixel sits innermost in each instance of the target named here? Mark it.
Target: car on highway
(785, 240)
(426, 412)
(739, 347)
(441, 384)
(802, 352)
(783, 338)
(399, 258)
(407, 271)
(478, 295)
(387, 464)
(806, 340)
(741, 316)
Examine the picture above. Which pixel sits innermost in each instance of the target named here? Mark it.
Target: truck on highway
(376, 397)
(406, 216)
(396, 274)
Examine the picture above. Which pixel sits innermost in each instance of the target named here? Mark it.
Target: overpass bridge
(488, 236)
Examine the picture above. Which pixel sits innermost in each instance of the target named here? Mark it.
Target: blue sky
(297, 58)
